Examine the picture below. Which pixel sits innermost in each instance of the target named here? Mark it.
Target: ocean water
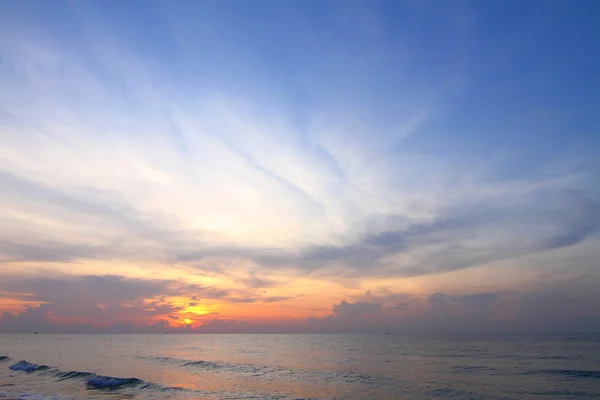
(299, 367)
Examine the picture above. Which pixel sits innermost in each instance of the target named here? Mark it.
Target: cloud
(104, 299)
(101, 289)
(346, 310)
(30, 320)
(138, 229)
(276, 299)
(460, 237)
(255, 282)
(350, 317)
(222, 326)
(476, 308)
(264, 299)
(42, 319)
(339, 150)
(545, 307)
(332, 188)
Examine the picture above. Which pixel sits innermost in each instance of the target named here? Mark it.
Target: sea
(244, 366)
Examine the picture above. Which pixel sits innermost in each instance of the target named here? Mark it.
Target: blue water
(299, 367)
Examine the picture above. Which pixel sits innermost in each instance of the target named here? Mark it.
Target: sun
(187, 321)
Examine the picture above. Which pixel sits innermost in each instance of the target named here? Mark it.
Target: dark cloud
(549, 309)
(386, 295)
(266, 299)
(459, 238)
(578, 223)
(100, 290)
(102, 299)
(39, 319)
(350, 317)
(30, 320)
(223, 326)
(477, 306)
(561, 307)
(243, 300)
(256, 282)
(48, 251)
(479, 299)
(275, 299)
(347, 310)
(397, 307)
(439, 303)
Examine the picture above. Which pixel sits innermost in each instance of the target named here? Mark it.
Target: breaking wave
(109, 382)
(92, 380)
(27, 367)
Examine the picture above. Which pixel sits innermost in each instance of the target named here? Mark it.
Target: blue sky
(303, 157)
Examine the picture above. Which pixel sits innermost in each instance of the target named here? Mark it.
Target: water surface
(299, 367)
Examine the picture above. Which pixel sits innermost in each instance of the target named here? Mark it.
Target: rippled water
(299, 367)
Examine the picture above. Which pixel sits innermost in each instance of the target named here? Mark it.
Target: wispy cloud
(323, 149)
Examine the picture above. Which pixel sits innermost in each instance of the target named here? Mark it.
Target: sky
(300, 166)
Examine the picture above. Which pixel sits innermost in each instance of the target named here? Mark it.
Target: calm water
(299, 367)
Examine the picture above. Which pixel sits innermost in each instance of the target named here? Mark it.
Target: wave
(27, 366)
(110, 382)
(27, 396)
(72, 375)
(95, 381)
(101, 382)
(92, 380)
(276, 372)
(567, 393)
(570, 373)
(553, 358)
(468, 368)
(209, 364)
(215, 365)
(446, 391)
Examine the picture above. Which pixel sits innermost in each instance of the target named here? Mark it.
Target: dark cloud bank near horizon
(116, 305)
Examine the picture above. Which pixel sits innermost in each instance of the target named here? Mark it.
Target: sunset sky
(300, 166)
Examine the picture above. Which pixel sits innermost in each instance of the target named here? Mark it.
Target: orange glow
(15, 306)
(198, 309)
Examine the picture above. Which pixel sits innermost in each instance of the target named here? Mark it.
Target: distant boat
(35, 333)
